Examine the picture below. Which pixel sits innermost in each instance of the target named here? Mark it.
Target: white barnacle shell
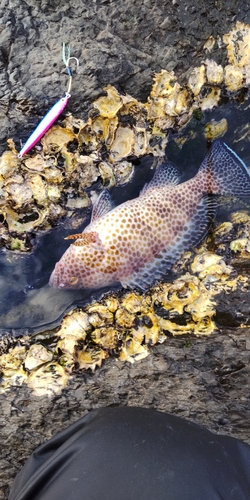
(214, 72)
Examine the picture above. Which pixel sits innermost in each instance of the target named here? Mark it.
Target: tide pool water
(28, 304)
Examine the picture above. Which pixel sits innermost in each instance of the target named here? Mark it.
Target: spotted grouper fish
(137, 242)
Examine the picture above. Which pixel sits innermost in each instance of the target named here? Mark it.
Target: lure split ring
(54, 112)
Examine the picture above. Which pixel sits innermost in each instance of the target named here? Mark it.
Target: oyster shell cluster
(38, 190)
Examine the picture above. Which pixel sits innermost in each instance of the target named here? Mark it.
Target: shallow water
(28, 304)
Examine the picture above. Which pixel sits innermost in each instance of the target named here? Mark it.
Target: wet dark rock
(119, 43)
(206, 380)
(233, 310)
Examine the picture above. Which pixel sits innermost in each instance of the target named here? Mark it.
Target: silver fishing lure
(54, 112)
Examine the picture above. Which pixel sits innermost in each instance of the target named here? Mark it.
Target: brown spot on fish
(109, 269)
(137, 242)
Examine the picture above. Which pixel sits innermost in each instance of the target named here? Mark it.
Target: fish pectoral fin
(191, 235)
(74, 236)
(102, 206)
(90, 238)
(165, 174)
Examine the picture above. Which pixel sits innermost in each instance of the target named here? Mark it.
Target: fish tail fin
(225, 172)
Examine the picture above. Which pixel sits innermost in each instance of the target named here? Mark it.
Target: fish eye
(73, 280)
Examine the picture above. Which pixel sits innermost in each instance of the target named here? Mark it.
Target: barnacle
(241, 245)
(57, 139)
(75, 324)
(123, 172)
(17, 225)
(238, 44)
(132, 351)
(37, 355)
(90, 358)
(209, 263)
(48, 380)
(109, 104)
(215, 129)
(233, 77)
(211, 100)
(122, 145)
(11, 365)
(197, 79)
(106, 337)
(167, 97)
(214, 72)
(7, 165)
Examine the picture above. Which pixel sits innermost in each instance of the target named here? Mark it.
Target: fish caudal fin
(225, 172)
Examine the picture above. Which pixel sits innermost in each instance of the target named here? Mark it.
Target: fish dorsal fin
(165, 174)
(102, 206)
(191, 235)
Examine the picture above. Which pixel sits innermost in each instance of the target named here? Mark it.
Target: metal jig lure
(54, 112)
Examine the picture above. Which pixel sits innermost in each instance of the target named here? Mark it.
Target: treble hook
(66, 61)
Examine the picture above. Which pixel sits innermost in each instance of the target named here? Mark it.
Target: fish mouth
(54, 280)
(52, 277)
(59, 280)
